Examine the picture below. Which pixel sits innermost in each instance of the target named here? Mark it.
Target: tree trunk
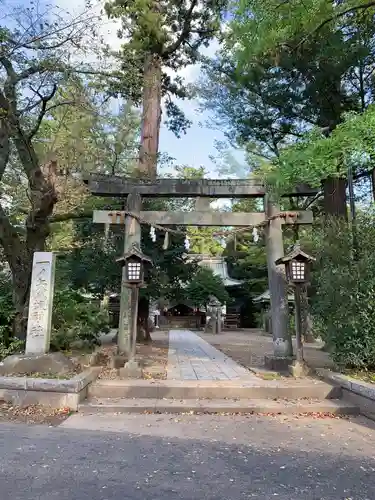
(148, 156)
(151, 117)
(334, 189)
(21, 268)
(307, 325)
(143, 330)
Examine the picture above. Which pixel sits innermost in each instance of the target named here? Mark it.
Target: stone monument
(40, 304)
(37, 357)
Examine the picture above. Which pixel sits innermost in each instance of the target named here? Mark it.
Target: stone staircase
(174, 396)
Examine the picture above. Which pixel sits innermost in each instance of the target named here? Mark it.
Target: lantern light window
(297, 265)
(134, 270)
(298, 270)
(135, 262)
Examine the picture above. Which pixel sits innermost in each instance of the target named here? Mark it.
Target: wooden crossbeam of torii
(110, 185)
(197, 218)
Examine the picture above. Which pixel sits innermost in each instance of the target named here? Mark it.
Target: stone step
(186, 389)
(148, 405)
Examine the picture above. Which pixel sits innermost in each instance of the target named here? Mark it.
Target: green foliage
(285, 79)
(14, 346)
(6, 308)
(89, 134)
(91, 265)
(171, 269)
(172, 29)
(8, 345)
(343, 303)
(204, 285)
(77, 321)
(246, 259)
(202, 240)
(49, 130)
(317, 156)
(172, 32)
(268, 27)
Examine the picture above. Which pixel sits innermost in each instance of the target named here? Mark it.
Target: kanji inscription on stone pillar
(40, 304)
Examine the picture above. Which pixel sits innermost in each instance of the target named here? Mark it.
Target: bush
(344, 300)
(203, 286)
(8, 345)
(12, 347)
(77, 322)
(6, 306)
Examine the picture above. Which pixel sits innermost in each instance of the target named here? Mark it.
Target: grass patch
(364, 375)
(269, 375)
(55, 376)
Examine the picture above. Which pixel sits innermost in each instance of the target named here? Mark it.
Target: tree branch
(33, 70)
(184, 32)
(8, 68)
(60, 29)
(4, 147)
(335, 17)
(9, 97)
(63, 103)
(44, 100)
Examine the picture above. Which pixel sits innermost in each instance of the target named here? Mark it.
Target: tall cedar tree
(161, 35)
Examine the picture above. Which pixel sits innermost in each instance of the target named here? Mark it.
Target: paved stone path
(149, 457)
(192, 358)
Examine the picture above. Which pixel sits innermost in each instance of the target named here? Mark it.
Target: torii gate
(203, 190)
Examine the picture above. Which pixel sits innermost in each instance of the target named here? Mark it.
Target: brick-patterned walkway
(192, 358)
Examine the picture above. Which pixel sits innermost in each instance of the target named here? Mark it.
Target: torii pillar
(282, 341)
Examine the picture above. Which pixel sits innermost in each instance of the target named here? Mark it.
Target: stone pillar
(40, 304)
(213, 320)
(219, 320)
(282, 342)
(132, 235)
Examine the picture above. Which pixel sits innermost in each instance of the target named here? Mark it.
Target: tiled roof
(219, 267)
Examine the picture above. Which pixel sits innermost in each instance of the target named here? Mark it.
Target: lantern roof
(295, 254)
(136, 252)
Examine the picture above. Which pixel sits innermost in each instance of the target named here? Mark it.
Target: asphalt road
(152, 457)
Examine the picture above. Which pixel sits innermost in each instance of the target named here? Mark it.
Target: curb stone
(358, 387)
(75, 384)
(55, 393)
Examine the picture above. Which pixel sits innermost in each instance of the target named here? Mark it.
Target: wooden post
(307, 323)
(132, 235)
(298, 321)
(282, 342)
(134, 323)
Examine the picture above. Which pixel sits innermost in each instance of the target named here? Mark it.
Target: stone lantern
(297, 268)
(135, 262)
